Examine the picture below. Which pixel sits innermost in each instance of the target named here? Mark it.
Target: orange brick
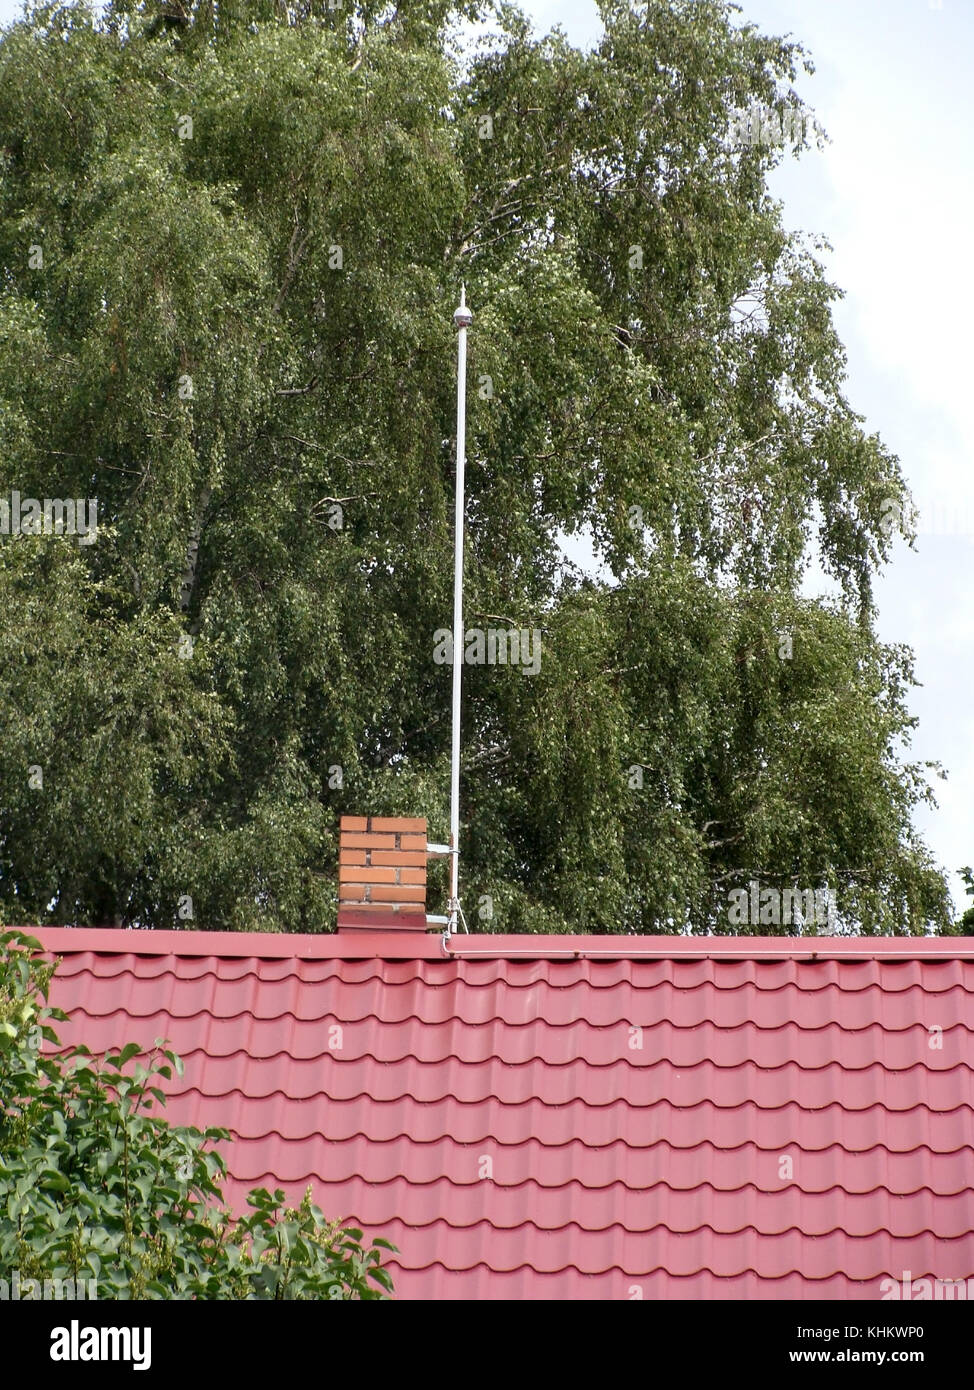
(352, 840)
(384, 893)
(397, 823)
(404, 858)
(366, 873)
(412, 875)
(413, 842)
(401, 909)
(354, 823)
(351, 856)
(397, 892)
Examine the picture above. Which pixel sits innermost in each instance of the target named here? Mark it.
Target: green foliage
(96, 1185)
(653, 364)
(964, 926)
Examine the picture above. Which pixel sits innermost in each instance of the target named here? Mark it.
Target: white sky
(894, 193)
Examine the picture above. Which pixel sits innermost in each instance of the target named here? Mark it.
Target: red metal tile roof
(624, 1163)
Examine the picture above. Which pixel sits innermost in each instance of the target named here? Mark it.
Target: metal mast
(462, 318)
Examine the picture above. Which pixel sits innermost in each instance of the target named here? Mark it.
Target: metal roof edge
(421, 945)
(395, 945)
(728, 948)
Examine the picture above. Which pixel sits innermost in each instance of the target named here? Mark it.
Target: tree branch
(295, 251)
(190, 568)
(297, 390)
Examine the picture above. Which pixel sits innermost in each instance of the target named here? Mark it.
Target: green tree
(96, 1185)
(231, 248)
(964, 926)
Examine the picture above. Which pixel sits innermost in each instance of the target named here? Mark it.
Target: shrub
(96, 1184)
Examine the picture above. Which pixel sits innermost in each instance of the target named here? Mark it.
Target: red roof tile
(620, 1159)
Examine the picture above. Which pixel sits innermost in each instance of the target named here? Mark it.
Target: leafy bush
(94, 1186)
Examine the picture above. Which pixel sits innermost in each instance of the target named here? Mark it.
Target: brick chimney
(382, 874)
